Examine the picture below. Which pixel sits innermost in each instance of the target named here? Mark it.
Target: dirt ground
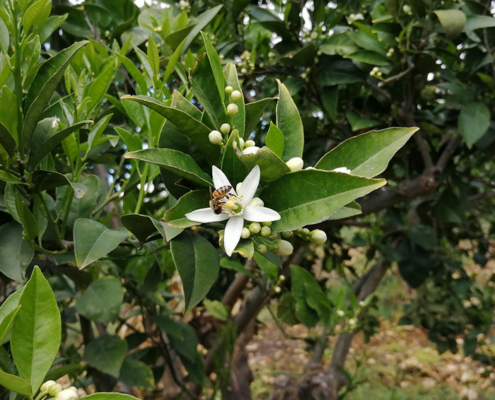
(399, 363)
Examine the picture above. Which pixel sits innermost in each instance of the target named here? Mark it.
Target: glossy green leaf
(32, 13)
(7, 141)
(102, 300)
(36, 333)
(173, 61)
(69, 369)
(191, 201)
(369, 57)
(197, 262)
(51, 25)
(474, 22)
(132, 142)
(202, 20)
(254, 112)
(197, 131)
(6, 324)
(310, 196)
(44, 85)
(29, 222)
(368, 154)
(175, 161)
(8, 111)
(4, 37)
(9, 305)
(99, 87)
(216, 309)
(97, 130)
(15, 252)
(338, 44)
(93, 240)
(153, 57)
(45, 140)
(302, 57)
(239, 120)
(453, 21)
(216, 65)
(106, 353)
(9, 178)
(290, 123)
(232, 165)
(358, 123)
(271, 166)
(275, 140)
(137, 374)
(15, 384)
(205, 88)
(367, 42)
(349, 210)
(84, 203)
(474, 121)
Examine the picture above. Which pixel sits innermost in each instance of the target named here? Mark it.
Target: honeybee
(217, 197)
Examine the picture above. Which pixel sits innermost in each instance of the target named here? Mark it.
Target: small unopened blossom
(354, 17)
(257, 202)
(342, 170)
(262, 249)
(55, 389)
(236, 95)
(184, 5)
(232, 109)
(407, 9)
(390, 52)
(241, 143)
(244, 71)
(67, 394)
(215, 137)
(254, 227)
(340, 313)
(295, 164)
(277, 289)
(266, 231)
(249, 143)
(235, 208)
(245, 233)
(229, 90)
(353, 322)
(225, 128)
(362, 303)
(318, 236)
(284, 248)
(250, 150)
(266, 223)
(47, 385)
(286, 234)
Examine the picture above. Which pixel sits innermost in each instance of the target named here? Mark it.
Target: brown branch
(235, 289)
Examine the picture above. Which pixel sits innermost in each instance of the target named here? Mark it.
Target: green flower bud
(305, 232)
(273, 236)
(236, 95)
(295, 164)
(277, 289)
(225, 128)
(282, 278)
(47, 385)
(229, 90)
(266, 223)
(286, 235)
(318, 236)
(262, 249)
(232, 109)
(55, 389)
(245, 233)
(254, 227)
(215, 137)
(284, 248)
(265, 231)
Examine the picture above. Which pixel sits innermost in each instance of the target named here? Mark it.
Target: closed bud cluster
(295, 164)
(67, 394)
(215, 137)
(47, 385)
(376, 73)
(318, 236)
(390, 52)
(55, 389)
(286, 235)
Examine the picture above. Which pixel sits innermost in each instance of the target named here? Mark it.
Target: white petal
(219, 178)
(250, 184)
(342, 170)
(260, 214)
(205, 215)
(233, 231)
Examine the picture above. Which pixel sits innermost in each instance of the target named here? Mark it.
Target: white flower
(295, 164)
(237, 210)
(343, 170)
